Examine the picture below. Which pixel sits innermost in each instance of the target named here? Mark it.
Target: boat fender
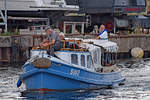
(137, 52)
(19, 83)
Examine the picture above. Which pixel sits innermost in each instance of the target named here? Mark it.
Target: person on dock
(53, 41)
(103, 33)
(95, 30)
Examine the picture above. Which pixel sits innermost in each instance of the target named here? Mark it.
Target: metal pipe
(82, 28)
(2, 23)
(114, 25)
(4, 16)
(5, 7)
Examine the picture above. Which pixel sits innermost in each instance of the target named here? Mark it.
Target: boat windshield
(96, 55)
(83, 60)
(74, 59)
(89, 61)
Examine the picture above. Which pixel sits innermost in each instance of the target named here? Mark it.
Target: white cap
(62, 34)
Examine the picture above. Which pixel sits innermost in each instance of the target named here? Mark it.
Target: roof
(107, 45)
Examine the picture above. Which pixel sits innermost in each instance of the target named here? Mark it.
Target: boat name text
(74, 72)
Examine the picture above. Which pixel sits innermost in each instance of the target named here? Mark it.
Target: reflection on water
(137, 86)
(77, 95)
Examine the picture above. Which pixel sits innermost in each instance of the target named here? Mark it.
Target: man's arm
(43, 42)
(51, 43)
(98, 37)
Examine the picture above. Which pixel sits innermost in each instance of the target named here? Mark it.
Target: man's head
(102, 28)
(95, 27)
(61, 35)
(48, 30)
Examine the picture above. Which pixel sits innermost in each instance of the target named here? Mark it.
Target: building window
(74, 59)
(83, 60)
(89, 61)
(140, 2)
(132, 2)
(121, 2)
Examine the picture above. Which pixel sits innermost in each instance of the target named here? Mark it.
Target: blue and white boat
(78, 66)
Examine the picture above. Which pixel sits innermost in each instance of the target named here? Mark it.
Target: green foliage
(9, 33)
(137, 30)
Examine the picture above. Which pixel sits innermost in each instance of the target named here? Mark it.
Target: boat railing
(67, 45)
(72, 45)
(40, 48)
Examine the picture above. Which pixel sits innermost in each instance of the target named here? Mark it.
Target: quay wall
(17, 48)
(127, 42)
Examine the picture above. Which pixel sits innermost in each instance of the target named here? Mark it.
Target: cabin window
(82, 60)
(95, 57)
(74, 59)
(89, 61)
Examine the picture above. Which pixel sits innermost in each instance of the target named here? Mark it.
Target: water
(137, 86)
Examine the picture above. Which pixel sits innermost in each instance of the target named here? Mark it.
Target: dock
(17, 48)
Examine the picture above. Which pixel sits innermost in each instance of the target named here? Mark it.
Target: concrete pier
(16, 48)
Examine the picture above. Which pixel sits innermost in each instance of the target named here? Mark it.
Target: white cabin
(77, 58)
(90, 57)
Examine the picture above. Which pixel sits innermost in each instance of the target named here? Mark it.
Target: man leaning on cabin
(53, 41)
(103, 33)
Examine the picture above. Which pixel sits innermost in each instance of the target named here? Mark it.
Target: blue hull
(65, 77)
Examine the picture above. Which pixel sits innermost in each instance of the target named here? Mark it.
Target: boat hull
(61, 77)
(43, 81)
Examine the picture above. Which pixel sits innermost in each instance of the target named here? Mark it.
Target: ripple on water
(137, 86)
